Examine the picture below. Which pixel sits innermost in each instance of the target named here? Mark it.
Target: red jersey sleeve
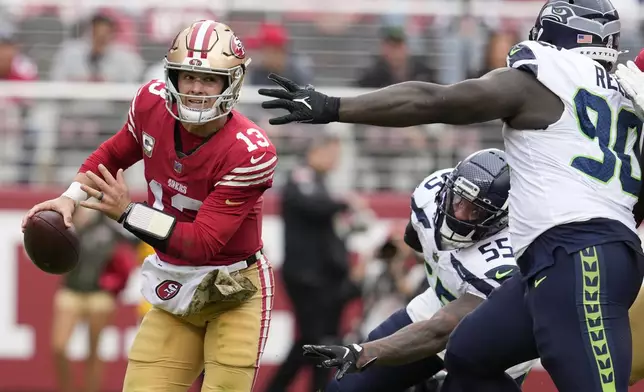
(123, 149)
(234, 197)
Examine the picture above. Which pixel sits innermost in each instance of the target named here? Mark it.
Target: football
(51, 246)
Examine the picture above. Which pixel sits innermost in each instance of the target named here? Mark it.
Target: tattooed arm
(419, 340)
(512, 95)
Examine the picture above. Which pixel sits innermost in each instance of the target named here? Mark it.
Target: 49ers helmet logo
(237, 48)
(168, 289)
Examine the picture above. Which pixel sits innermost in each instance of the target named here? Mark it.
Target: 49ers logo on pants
(168, 289)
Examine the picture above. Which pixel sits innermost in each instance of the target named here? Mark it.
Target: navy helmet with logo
(473, 202)
(589, 27)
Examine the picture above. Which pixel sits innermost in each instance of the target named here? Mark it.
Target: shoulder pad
(523, 56)
(426, 191)
(149, 95)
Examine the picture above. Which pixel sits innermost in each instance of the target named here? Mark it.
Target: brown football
(51, 246)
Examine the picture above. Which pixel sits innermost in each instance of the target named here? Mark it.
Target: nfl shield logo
(178, 167)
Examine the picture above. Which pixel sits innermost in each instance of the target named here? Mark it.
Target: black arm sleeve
(411, 238)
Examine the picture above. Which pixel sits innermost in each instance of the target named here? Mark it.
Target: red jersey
(215, 192)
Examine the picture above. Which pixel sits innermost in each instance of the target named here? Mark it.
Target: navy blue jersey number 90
(603, 168)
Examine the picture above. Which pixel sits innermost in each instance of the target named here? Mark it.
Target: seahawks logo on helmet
(588, 27)
(559, 14)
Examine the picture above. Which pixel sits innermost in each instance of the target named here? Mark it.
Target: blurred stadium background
(57, 104)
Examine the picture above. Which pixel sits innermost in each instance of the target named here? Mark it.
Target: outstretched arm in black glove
(412, 343)
(304, 103)
(345, 358)
(505, 93)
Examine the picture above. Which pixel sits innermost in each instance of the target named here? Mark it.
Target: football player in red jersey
(207, 167)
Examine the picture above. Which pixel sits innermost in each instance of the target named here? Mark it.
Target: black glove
(344, 358)
(638, 208)
(304, 103)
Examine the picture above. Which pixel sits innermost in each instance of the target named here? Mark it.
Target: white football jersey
(477, 269)
(581, 167)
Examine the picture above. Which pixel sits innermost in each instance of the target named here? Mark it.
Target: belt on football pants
(254, 258)
(240, 265)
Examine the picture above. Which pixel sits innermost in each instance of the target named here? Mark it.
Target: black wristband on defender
(331, 111)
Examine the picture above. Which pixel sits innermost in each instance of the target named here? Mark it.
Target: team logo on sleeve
(148, 144)
(168, 289)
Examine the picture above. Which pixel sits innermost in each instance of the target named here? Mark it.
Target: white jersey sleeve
(486, 265)
(424, 306)
(423, 204)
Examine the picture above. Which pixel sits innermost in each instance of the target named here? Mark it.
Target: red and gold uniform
(209, 283)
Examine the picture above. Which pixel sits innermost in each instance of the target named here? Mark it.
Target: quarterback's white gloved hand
(632, 80)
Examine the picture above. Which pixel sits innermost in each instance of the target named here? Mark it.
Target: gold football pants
(225, 339)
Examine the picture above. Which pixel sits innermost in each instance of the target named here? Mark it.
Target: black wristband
(127, 211)
(331, 110)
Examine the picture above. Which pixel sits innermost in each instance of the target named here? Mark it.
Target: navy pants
(572, 312)
(385, 378)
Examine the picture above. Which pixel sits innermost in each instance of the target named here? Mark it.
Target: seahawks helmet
(589, 27)
(473, 202)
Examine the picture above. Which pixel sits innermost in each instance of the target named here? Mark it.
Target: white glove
(632, 80)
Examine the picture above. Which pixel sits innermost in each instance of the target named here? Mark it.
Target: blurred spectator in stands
(96, 57)
(13, 64)
(461, 42)
(16, 140)
(316, 267)
(394, 63)
(274, 56)
(391, 277)
(88, 294)
(498, 45)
